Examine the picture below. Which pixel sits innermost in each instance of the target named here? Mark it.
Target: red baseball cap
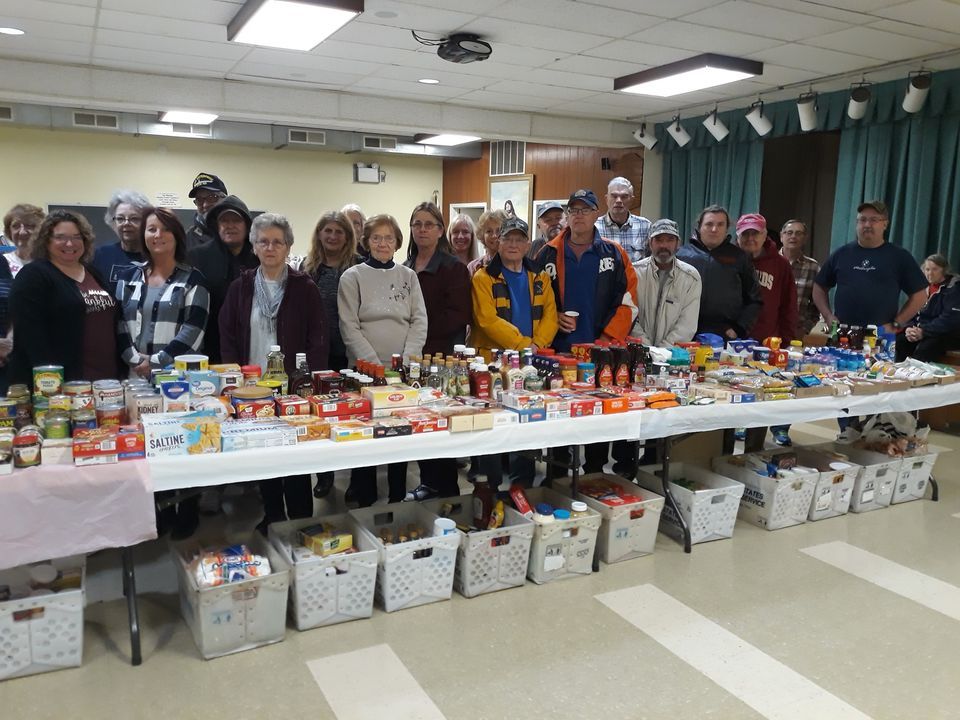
(751, 221)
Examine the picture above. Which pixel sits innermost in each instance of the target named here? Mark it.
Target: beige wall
(83, 168)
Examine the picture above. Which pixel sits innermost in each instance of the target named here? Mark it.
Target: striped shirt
(633, 236)
(178, 318)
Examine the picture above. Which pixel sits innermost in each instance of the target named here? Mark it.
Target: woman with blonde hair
(488, 229)
(463, 239)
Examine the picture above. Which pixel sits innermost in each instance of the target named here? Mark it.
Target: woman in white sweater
(381, 313)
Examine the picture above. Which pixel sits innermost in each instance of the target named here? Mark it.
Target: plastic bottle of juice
(275, 369)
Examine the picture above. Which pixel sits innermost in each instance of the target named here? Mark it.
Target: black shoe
(183, 529)
(627, 472)
(421, 492)
(350, 496)
(323, 487)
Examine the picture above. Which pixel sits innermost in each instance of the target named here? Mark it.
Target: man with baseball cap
(549, 225)
(592, 277)
(207, 191)
(870, 274)
(622, 226)
(778, 314)
(513, 308)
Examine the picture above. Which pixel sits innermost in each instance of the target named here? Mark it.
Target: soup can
(60, 402)
(144, 403)
(81, 402)
(107, 392)
(78, 387)
(47, 379)
(85, 419)
(111, 414)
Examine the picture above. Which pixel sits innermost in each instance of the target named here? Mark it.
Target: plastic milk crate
(770, 502)
(834, 490)
(563, 548)
(487, 560)
(876, 477)
(709, 511)
(915, 472)
(415, 572)
(327, 590)
(628, 530)
(235, 616)
(41, 632)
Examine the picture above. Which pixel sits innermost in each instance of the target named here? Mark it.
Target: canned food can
(60, 402)
(48, 379)
(112, 414)
(276, 386)
(85, 419)
(107, 392)
(183, 363)
(78, 387)
(144, 403)
(81, 402)
(56, 426)
(26, 447)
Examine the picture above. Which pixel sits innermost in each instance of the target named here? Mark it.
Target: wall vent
(6, 113)
(192, 130)
(307, 137)
(507, 157)
(376, 142)
(96, 121)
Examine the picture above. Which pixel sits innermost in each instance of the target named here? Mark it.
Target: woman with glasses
(381, 314)
(445, 284)
(164, 302)
(62, 313)
(19, 224)
(488, 227)
(463, 239)
(124, 213)
(275, 305)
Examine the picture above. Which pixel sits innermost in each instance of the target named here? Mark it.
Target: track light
(715, 126)
(917, 90)
(644, 138)
(859, 99)
(755, 117)
(807, 110)
(679, 135)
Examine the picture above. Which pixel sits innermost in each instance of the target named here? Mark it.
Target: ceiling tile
(168, 27)
(700, 39)
(644, 54)
(494, 30)
(568, 15)
(42, 30)
(447, 79)
(294, 61)
(536, 90)
(938, 14)
(499, 101)
(580, 108)
(401, 88)
(820, 60)
(173, 47)
(861, 6)
(822, 10)
(879, 44)
(376, 35)
(567, 80)
(525, 56)
(437, 19)
(673, 9)
(70, 13)
(901, 28)
(33, 44)
(474, 7)
(776, 75)
(160, 60)
(42, 53)
(303, 78)
(601, 67)
(763, 20)
(219, 12)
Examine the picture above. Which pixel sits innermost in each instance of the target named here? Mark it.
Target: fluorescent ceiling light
(428, 81)
(291, 24)
(445, 139)
(10, 31)
(187, 118)
(696, 73)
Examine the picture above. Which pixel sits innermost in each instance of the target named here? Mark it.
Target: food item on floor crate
(324, 540)
(234, 563)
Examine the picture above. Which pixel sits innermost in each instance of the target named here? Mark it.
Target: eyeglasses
(122, 220)
(579, 211)
(424, 225)
(870, 220)
(68, 238)
(383, 240)
(271, 243)
(208, 198)
(794, 232)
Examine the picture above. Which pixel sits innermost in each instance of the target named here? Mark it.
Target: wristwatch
(896, 326)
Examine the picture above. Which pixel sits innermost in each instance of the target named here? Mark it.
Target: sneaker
(740, 434)
(421, 492)
(782, 438)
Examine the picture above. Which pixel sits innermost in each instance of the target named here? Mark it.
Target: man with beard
(549, 225)
(206, 192)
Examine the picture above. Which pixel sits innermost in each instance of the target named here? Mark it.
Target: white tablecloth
(217, 469)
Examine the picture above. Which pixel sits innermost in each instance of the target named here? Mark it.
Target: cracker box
(347, 405)
(288, 405)
(583, 405)
(520, 400)
(247, 434)
(309, 427)
(529, 415)
(386, 398)
(422, 420)
(255, 409)
(350, 430)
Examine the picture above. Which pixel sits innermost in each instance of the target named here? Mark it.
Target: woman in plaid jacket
(164, 302)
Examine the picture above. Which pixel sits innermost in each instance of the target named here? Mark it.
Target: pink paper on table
(57, 510)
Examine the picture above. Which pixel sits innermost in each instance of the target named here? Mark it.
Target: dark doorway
(799, 180)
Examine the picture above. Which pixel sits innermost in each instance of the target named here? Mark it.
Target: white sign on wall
(168, 199)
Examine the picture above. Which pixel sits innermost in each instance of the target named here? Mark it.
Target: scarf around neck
(269, 303)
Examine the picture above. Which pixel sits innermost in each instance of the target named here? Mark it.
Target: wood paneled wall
(558, 170)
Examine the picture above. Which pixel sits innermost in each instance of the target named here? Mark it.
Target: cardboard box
(386, 398)
(500, 417)
(391, 427)
(309, 427)
(255, 409)
(97, 446)
(57, 452)
(814, 391)
(422, 420)
(582, 406)
(345, 405)
(351, 430)
(244, 435)
(291, 405)
(612, 403)
(529, 415)
(520, 400)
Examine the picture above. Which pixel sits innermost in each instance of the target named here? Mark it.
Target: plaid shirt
(634, 236)
(805, 270)
(179, 317)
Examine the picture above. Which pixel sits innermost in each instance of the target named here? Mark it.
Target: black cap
(878, 205)
(552, 205)
(514, 223)
(231, 203)
(206, 181)
(585, 196)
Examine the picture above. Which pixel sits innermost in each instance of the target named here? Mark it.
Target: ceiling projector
(464, 48)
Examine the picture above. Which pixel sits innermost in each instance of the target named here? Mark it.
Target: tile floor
(767, 624)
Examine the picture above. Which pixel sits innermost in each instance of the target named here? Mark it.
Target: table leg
(934, 490)
(665, 446)
(130, 590)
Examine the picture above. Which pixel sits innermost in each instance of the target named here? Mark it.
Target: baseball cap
(548, 206)
(584, 196)
(206, 181)
(878, 205)
(514, 223)
(665, 227)
(751, 221)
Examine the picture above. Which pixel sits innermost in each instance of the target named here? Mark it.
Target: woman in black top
(61, 311)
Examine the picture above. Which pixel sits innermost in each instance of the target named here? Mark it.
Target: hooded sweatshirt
(778, 316)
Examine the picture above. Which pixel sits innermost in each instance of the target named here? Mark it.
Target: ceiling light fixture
(291, 24)
(10, 31)
(428, 81)
(187, 117)
(917, 90)
(696, 73)
(679, 135)
(445, 139)
(859, 99)
(646, 139)
(715, 126)
(756, 118)
(807, 110)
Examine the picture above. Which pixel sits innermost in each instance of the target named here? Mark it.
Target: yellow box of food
(350, 430)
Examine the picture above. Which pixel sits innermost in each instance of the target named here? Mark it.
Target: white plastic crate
(415, 572)
(626, 531)
(770, 502)
(235, 616)
(563, 548)
(834, 489)
(915, 472)
(488, 560)
(710, 512)
(876, 478)
(41, 632)
(327, 590)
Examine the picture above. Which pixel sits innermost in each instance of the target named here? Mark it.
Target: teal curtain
(912, 162)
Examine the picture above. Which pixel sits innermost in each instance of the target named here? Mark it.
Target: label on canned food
(48, 379)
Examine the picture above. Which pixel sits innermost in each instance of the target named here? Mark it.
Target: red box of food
(292, 405)
(95, 442)
(612, 403)
(130, 443)
(423, 421)
(339, 405)
(391, 427)
(583, 405)
(255, 408)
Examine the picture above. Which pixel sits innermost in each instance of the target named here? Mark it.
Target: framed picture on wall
(513, 195)
(537, 204)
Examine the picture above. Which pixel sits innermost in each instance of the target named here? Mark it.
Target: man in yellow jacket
(513, 304)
